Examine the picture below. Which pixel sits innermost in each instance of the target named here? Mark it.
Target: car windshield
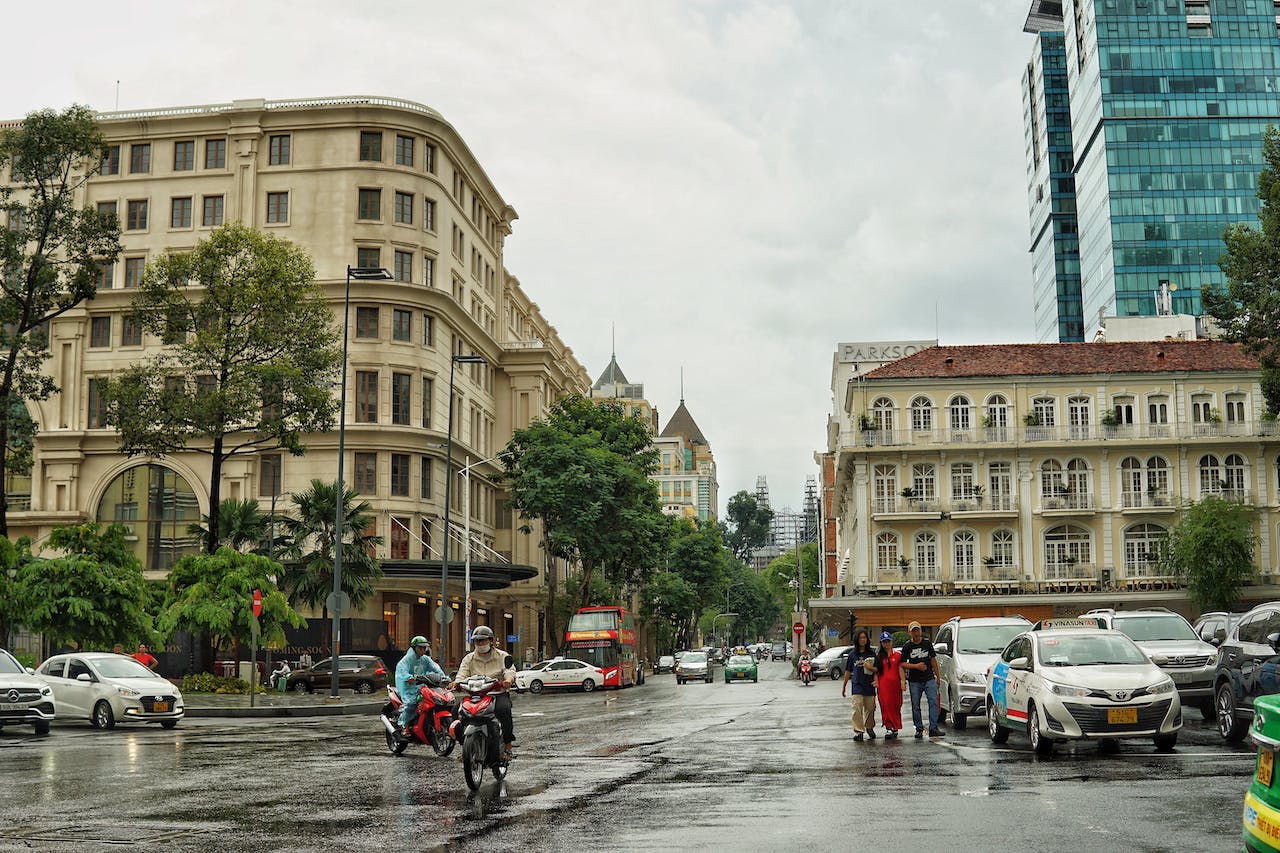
(122, 668)
(987, 639)
(742, 659)
(1140, 628)
(9, 666)
(1086, 650)
(694, 657)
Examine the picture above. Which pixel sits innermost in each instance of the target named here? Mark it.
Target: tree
(13, 556)
(1249, 309)
(670, 603)
(241, 524)
(50, 256)
(749, 525)
(780, 575)
(213, 594)
(1212, 548)
(308, 574)
(95, 594)
(583, 471)
(250, 359)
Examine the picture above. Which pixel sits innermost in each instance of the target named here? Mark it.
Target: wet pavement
(741, 767)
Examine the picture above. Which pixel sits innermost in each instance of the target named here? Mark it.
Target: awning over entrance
(484, 576)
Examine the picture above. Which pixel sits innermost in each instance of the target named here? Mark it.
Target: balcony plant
(904, 563)
(866, 423)
(979, 492)
(1110, 419)
(1032, 419)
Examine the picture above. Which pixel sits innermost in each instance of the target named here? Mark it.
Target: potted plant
(1110, 420)
(905, 565)
(978, 493)
(1032, 419)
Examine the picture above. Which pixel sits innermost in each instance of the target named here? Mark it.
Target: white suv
(24, 699)
(1173, 645)
(966, 649)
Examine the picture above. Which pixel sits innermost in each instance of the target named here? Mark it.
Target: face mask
(483, 648)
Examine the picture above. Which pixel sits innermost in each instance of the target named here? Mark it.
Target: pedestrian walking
(890, 682)
(860, 667)
(921, 663)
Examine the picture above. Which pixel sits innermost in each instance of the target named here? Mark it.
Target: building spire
(682, 384)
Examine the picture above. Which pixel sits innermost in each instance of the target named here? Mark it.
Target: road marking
(532, 714)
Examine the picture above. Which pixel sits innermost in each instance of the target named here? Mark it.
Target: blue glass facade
(1055, 247)
(1169, 100)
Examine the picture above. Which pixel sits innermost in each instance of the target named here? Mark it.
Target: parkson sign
(879, 352)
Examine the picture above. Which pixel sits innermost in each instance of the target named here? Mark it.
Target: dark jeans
(502, 710)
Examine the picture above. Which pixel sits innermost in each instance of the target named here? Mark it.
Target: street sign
(512, 639)
(444, 614)
(257, 603)
(338, 603)
(832, 632)
(798, 627)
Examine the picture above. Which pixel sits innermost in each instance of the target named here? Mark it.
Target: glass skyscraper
(1168, 102)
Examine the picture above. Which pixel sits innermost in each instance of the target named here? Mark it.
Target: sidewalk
(282, 704)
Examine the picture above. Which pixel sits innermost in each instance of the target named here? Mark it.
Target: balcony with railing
(1060, 434)
(980, 505)
(1067, 502)
(1162, 501)
(903, 505)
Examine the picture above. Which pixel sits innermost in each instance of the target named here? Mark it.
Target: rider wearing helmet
(490, 661)
(413, 667)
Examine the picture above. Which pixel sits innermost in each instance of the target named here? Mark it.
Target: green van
(1262, 800)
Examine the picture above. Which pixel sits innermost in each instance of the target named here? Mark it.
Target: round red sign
(798, 627)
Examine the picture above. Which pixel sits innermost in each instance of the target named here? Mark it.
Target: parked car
(693, 665)
(1248, 668)
(778, 651)
(1172, 645)
(561, 674)
(741, 668)
(25, 700)
(361, 673)
(966, 649)
(1208, 625)
(1261, 815)
(106, 689)
(666, 663)
(830, 662)
(1073, 683)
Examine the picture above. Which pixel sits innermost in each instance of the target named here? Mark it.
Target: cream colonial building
(360, 181)
(1037, 478)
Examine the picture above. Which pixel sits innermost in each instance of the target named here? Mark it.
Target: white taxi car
(561, 673)
(1067, 679)
(106, 689)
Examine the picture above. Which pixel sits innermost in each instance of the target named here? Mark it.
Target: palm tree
(308, 574)
(240, 524)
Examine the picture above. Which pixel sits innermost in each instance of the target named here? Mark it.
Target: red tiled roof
(1067, 359)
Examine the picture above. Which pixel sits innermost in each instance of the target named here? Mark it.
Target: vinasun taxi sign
(1055, 624)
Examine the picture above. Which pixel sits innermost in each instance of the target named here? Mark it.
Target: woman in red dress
(889, 686)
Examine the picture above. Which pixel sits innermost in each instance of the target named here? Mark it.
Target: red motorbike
(478, 730)
(806, 671)
(435, 714)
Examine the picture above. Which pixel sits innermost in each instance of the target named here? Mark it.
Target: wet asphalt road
(741, 767)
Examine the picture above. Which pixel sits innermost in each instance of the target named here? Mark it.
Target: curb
(350, 708)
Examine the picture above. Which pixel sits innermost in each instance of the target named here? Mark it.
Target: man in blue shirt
(415, 665)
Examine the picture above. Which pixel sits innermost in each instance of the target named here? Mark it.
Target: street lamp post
(466, 537)
(454, 361)
(359, 274)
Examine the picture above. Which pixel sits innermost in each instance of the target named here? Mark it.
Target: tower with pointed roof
(687, 468)
(613, 385)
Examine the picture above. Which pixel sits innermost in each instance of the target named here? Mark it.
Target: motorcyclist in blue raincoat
(415, 665)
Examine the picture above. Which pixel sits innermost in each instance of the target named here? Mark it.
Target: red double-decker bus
(604, 637)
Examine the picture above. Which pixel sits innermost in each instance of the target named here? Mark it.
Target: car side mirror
(1023, 664)
(508, 662)
(85, 677)
(30, 671)
(1219, 637)
(942, 648)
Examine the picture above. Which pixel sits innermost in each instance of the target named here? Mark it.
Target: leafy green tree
(1212, 548)
(95, 594)
(749, 525)
(251, 355)
(583, 471)
(213, 594)
(670, 603)
(50, 256)
(751, 598)
(13, 556)
(241, 524)
(308, 550)
(780, 576)
(1249, 309)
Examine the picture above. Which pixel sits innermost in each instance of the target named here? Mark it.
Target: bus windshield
(598, 620)
(593, 652)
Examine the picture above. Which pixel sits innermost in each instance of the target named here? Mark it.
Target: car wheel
(1166, 743)
(588, 685)
(999, 734)
(1206, 709)
(960, 721)
(168, 724)
(835, 673)
(42, 727)
(103, 717)
(942, 713)
(301, 686)
(1231, 727)
(364, 686)
(707, 679)
(1041, 744)
(1108, 745)
(755, 679)
(535, 686)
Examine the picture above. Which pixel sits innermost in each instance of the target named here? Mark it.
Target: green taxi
(740, 668)
(1262, 800)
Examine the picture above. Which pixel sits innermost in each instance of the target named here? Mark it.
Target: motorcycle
(806, 672)
(435, 714)
(478, 730)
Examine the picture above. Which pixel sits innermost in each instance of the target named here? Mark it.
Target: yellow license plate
(1266, 764)
(1122, 716)
(160, 706)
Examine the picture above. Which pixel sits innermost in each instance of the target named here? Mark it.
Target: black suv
(1248, 666)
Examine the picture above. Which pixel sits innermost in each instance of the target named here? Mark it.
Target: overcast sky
(738, 185)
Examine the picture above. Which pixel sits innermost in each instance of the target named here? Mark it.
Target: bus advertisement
(605, 637)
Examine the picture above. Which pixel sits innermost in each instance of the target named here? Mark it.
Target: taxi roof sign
(1054, 624)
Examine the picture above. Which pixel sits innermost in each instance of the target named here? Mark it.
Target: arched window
(1079, 485)
(924, 481)
(887, 552)
(886, 488)
(1045, 410)
(1142, 544)
(964, 555)
(997, 415)
(156, 504)
(960, 412)
(926, 560)
(1210, 475)
(1235, 477)
(921, 414)
(1067, 552)
(1131, 481)
(882, 413)
(1157, 481)
(962, 481)
(1052, 484)
(1002, 550)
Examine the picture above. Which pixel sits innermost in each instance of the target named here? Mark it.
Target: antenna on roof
(682, 384)
(937, 336)
(117, 96)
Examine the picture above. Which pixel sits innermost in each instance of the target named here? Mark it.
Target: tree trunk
(215, 496)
